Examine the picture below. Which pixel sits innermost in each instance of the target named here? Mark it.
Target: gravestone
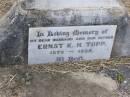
(47, 31)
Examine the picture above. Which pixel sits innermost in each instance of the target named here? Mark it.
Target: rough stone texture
(65, 84)
(15, 25)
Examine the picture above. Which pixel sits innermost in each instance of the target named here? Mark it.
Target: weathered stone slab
(14, 27)
(68, 84)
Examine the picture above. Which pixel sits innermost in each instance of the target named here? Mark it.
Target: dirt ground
(5, 6)
(127, 4)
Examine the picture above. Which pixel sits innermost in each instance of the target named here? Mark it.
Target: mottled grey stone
(14, 27)
(68, 84)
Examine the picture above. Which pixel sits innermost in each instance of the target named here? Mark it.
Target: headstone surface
(77, 43)
(24, 15)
